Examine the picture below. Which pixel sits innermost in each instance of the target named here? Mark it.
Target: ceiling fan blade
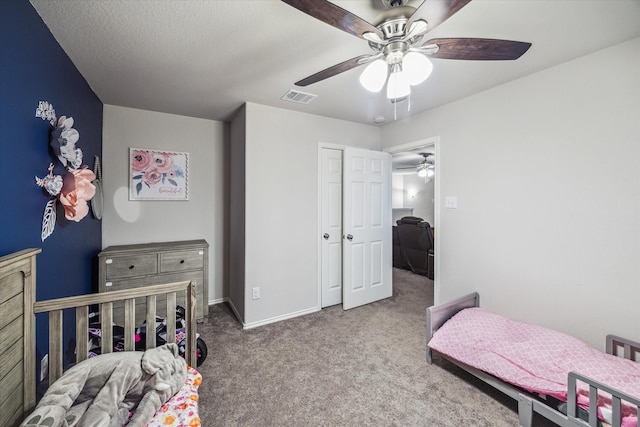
(478, 49)
(334, 15)
(435, 12)
(336, 69)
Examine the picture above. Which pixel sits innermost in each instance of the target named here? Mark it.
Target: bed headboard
(17, 335)
(438, 314)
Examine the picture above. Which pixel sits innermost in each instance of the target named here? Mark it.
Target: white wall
(419, 195)
(546, 171)
(281, 194)
(201, 217)
(397, 190)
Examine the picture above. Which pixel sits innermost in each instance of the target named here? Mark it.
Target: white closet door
(367, 244)
(331, 226)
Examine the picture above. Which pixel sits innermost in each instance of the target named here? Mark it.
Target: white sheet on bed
(532, 357)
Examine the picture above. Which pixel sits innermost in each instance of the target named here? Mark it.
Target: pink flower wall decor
(74, 188)
(158, 175)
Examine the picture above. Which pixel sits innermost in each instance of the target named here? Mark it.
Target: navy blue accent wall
(33, 67)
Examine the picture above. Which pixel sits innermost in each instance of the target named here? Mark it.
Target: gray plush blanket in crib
(115, 389)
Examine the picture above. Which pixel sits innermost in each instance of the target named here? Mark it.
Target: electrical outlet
(44, 367)
(256, 293)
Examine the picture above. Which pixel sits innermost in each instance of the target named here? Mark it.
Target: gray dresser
(134, 266)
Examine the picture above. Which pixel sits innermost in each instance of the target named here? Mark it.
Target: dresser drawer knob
(181, 261)
(131, 267)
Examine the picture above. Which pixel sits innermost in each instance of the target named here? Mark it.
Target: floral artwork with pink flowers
(158, 175)
(74, 188)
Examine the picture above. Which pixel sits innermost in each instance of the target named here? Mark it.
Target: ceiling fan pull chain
(395, 110)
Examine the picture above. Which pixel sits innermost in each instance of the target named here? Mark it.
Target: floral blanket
(182, 409)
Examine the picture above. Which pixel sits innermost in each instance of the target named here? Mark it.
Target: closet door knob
(326, 236)
(349, 237)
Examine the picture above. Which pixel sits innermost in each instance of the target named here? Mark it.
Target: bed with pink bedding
(539, 367)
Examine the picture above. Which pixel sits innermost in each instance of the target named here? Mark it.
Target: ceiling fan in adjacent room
(399, 56)
(426, 168)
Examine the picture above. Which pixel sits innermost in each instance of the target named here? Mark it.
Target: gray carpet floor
(361, 367)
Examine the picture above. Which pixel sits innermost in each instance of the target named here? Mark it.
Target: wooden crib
(17, 328)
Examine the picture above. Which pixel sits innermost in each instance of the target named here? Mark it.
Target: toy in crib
(122, 388)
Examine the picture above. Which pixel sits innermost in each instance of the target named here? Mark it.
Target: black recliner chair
(416, 244)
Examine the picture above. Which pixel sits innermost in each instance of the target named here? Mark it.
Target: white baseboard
(279, 318)
(262, 322)
(218, 301)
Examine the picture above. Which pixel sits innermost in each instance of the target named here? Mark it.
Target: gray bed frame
(528, 404)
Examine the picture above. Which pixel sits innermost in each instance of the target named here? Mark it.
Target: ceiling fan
(396, 40)
(426, 167)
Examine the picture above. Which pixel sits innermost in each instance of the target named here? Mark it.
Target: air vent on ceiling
(298, 97)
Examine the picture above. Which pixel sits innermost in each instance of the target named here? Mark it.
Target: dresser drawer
(118, 285)
(131, 266)
(181, 260)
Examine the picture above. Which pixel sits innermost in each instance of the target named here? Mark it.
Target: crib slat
(106, 327)
(151, 321)
(82, 327)
(191, 324)
(129, 324)
(55, 345)
(171, 317)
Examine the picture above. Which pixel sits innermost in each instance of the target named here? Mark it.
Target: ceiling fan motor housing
(393, 22)
(393, 3)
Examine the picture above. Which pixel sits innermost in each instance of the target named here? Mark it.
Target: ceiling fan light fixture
(429, 172)
(422, 173)
(398, 84)
(417, 28)
(417, 67)
(372, 37)
(374, 76)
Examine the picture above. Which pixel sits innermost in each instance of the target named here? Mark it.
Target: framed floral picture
(158, 175)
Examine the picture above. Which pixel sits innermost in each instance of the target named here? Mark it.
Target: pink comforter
(534, 358)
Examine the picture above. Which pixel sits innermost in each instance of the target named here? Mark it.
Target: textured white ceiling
(206, 58)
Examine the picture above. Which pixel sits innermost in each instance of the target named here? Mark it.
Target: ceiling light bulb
(417, 67)
(398, 85)
(422, 173)
(374, 76)
(429, 172)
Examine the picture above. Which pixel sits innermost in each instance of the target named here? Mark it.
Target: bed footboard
(105, 300)
(617, 397)
(437, 315)
(630, 349)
